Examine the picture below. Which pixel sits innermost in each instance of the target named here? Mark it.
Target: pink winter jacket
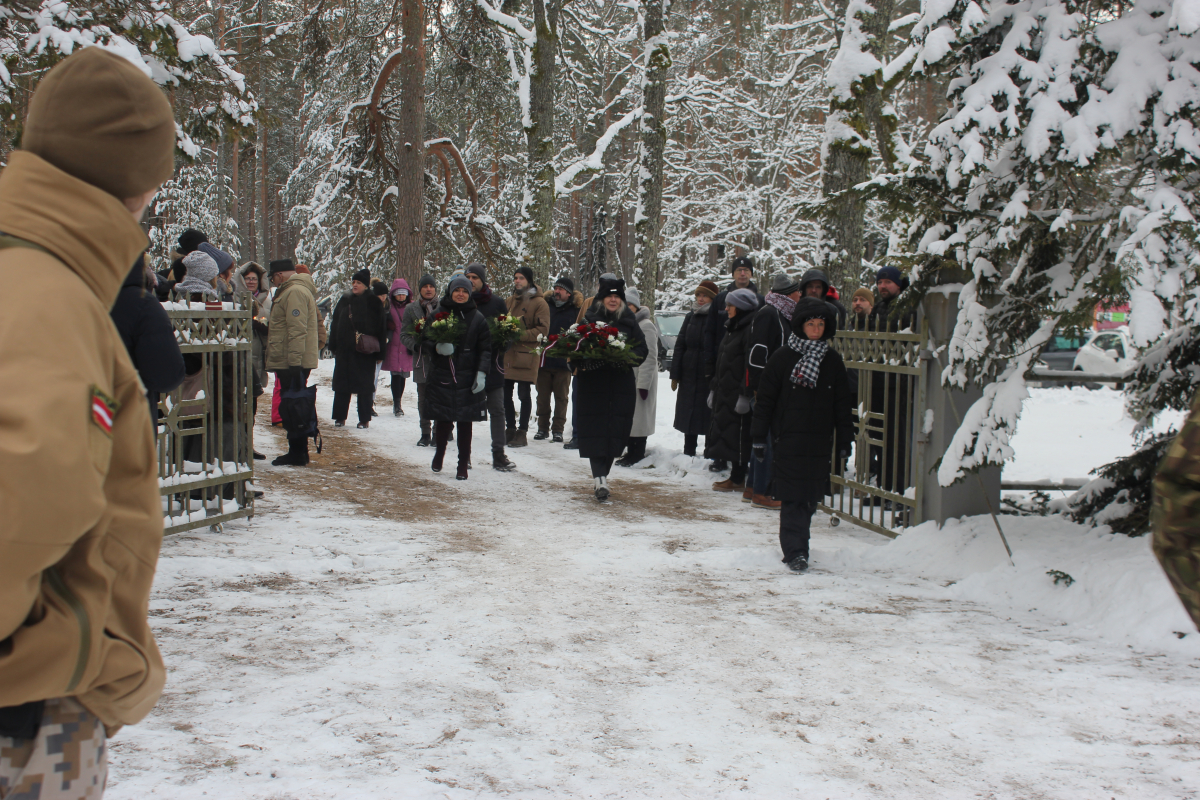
(396, 357)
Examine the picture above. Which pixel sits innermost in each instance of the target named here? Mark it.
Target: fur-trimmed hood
(576, 298)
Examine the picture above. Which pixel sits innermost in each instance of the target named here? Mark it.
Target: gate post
(969, 496)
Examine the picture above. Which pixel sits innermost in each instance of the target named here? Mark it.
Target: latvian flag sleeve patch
(104, 410)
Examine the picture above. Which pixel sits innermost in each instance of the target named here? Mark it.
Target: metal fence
(205, 446)
(879, 488)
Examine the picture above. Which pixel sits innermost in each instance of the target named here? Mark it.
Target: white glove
(743, 405)
(480, 380)
(444, 349)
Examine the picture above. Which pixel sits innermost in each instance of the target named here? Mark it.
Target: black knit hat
(742, 261)
(566, 283)
(526, 272)
(190, 239)
(363, 276)
(478, 269)
(426, 280)
(609, 286)
(281, 265)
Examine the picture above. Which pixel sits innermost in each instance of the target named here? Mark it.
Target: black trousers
(441, 435)
(510, 409)
(690, 442)
(341, 405)
(601, 467)
(397, 388)
(636, 448)
(281, 379)
(795, 517)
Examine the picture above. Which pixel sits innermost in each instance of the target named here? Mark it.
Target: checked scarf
(811, 352)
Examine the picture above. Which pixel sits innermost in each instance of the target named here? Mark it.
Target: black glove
(760, 451)
(293, 378)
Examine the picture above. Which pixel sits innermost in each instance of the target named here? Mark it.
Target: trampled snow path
(381, 632)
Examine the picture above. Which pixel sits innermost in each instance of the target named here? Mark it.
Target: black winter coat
(692, 415)
(768, 333)
(729, 432)
(819, 275)
(803, 423)
(489, 305)
(354, 371)
(717, 318)
(561, 318)
(149, 337)
(890, 393)
(448, 390)
(605, 396)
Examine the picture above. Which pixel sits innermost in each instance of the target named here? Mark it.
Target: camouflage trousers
(67, 761)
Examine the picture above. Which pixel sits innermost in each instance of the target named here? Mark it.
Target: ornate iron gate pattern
(205, 445)
(899, 359)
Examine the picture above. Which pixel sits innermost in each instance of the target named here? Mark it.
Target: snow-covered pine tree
(1062, 175)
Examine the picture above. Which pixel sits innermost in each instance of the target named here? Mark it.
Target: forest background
(1035, 158)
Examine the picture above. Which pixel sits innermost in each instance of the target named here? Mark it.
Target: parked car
(1107, 353)
(1060, 352)
(669, 323)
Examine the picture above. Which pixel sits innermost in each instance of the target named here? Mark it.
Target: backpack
(298, 410)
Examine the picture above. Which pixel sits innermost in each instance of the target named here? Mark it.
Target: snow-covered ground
(379, 631)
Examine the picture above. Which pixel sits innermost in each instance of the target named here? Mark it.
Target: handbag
(364, 342)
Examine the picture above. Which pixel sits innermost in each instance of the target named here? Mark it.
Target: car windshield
(670, 325)
(1062, 343)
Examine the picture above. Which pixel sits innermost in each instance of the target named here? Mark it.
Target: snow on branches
(1062, 175)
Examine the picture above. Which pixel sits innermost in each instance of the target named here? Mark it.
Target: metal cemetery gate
(880, 489)
(205, 426)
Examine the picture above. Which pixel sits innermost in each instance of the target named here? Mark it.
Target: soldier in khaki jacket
(1175, 513)
(292, 346)
(77, 658)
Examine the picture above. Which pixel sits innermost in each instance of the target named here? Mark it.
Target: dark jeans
(795, 516)
(495, 410)
(423, 409)
(574, 406)
(510, 409)
(759, 474)
(397, 388)
(341, 405)
(601, 467)
(441, 435)
(636, 448)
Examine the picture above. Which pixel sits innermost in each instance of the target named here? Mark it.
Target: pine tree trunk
(261, 211)
(234, 214)
(847, 162)
(539, 141)
(653, 143)
(410, 155)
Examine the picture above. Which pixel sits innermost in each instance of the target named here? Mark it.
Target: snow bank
(1117, 593)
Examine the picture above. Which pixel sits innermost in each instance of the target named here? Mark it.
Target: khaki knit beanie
(865, 294)
(98, 118)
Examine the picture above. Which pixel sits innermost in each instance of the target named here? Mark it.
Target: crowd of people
(753, 375)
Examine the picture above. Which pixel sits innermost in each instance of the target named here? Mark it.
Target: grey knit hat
(742, 299)
(633, 297)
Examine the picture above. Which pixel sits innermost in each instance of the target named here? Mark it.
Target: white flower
(617, 343)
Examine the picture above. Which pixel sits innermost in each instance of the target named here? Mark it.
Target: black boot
(571, 445)
(296, 456)
(424, 441)
(500, 462)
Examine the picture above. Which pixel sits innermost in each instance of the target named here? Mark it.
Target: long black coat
(448, 389)
(768, 333)
(605, 397)
(149, 337)
(354, 371)
(729, 432)
(692, 415)
(717, 320)
(489, 305)
(802, 422)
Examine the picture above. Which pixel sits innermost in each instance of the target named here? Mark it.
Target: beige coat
(520, 362)
(292, 331)
(82, 518)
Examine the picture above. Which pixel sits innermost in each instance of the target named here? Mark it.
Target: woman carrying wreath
(358, 313)
(607, 391)
(458, 371)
